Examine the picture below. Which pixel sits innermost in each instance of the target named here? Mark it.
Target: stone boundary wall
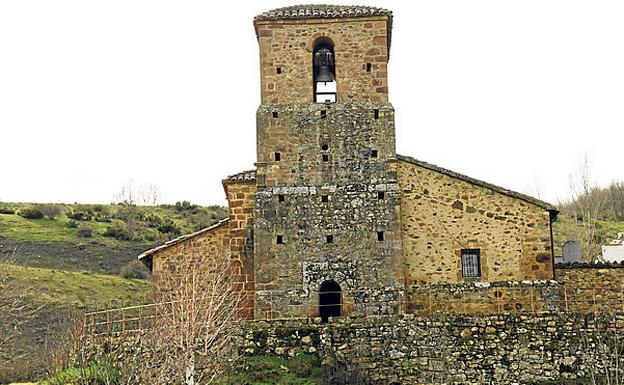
(432, 349)
(459, 349)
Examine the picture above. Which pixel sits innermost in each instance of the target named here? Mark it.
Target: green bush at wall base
(96, 373)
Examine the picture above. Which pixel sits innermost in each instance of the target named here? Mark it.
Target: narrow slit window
(278, 156)
(376, 113)
(471, 263)
(380, 235)
(373, 153)
(279, 240)
(325, 158)
(323, 114)
(329, 239)
(324, 198)
(275, 114)
(281, 198)
(369, 67)
(381, 195)
(278, 70)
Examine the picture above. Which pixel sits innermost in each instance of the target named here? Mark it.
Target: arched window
(324, 71)
(330, 300)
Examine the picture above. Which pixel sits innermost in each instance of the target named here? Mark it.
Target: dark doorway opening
(330, 300)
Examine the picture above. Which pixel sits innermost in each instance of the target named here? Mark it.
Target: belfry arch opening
(324, 71)
(330, 300)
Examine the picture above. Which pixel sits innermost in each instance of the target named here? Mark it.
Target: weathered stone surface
(441, 349)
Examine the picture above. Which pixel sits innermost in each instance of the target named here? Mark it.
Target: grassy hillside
(94, 238)
(65, 260)
(52, 301)
(566, 228)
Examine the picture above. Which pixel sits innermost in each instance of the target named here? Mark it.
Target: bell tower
(327, 209)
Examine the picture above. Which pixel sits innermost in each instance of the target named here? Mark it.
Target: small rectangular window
(279, 70)
(278, 156)
(324, 198)
(373, 153)
(281, 198)
(369, 67)
(471, 263)
(279, 240)
(376, 113)
(380, 235)
(329, 239)
(325, 158)
(275, 114)
(323, 114)
(381, 195)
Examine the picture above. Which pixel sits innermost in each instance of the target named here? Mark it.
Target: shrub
(93, 374)
(152, 220)
(134, 269)
(31, 213)
(72, 224)
(6, 210)
(51, 211)
(117, 232)
(79, 215)
(169, 228)
(185, 206)
(84, 232)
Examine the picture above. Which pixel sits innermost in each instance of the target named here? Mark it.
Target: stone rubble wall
(458, 349)
(591, 288)
(335, 162)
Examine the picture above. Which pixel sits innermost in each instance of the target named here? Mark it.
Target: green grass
(302, 369)
(145, 220)
(77, 290)
(50, 230)
(54, 301)
(565, 228)
(95, 373)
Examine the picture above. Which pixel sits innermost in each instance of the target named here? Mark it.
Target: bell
(323, 62)
(324, 74)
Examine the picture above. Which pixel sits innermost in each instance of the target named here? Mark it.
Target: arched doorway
(330, 300)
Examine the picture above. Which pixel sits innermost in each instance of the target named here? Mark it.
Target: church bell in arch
(324, 65)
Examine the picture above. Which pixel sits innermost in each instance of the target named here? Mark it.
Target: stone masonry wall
(199, 246)
(288, 45)
(440, 215)
(590, 288)
(460, 349)
(336, 178)
(240, 196)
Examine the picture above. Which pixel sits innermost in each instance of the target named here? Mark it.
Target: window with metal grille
(471, 263)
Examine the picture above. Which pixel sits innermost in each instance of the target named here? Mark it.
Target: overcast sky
(96, 93)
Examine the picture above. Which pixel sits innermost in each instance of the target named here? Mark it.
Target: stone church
(331, 220)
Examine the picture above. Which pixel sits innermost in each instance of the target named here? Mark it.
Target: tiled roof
(319, 11)
(244, 176)
(326, 11)
(182, 238)
(478, 182)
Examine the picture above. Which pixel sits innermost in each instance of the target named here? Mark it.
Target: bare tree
(131, 194)
(14, 313)
(149, 194)
(587, 204)
(194, 320)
